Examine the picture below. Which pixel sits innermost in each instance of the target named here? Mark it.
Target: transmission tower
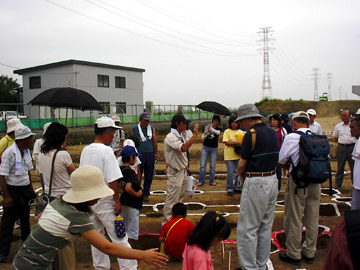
(329, 77)
(266, 82)
(316, 76)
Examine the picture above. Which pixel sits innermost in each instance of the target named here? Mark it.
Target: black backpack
(314, 162)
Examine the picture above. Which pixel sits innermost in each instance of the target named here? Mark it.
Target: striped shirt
(59, 225)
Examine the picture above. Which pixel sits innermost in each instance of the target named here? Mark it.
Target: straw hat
(87, 183)
(13, 124)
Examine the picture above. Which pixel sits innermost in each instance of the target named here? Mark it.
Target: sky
(193, 50)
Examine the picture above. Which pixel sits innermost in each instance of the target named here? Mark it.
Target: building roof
(72, 62)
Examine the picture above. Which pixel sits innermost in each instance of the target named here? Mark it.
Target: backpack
(314, 163)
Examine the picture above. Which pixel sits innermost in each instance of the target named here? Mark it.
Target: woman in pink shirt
(211, 229)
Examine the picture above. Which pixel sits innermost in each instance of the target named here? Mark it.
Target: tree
(7, 93)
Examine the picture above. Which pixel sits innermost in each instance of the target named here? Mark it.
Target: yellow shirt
(230, 135)
(5, 143)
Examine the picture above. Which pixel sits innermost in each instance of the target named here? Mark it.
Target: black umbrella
(214, 107)
(66, 97)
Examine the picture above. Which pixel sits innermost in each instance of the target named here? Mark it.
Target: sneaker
(212, 184)
(230, 193)
(285, 258)
(239, 191)
(2, 259)
(200, 184)
(146, 199)
(308, 260)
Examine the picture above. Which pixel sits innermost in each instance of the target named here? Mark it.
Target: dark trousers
(21, 195)
(343, 154)
(147, 166)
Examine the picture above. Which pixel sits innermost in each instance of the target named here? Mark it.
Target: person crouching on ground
(211, 229)
(132, 196)
(176, 232)
(66, 218)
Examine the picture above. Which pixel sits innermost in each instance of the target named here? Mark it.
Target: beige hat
(23, 132)
(13, 124)
(115, 118)
(87, 183)
(301, 114)
(106, 122)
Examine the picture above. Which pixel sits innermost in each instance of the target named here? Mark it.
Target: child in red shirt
(176, 235)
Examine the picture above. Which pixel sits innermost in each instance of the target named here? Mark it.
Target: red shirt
(177, 238)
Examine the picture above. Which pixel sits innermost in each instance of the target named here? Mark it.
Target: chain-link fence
(36, 116)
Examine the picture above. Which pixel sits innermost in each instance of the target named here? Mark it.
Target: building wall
(85, 78)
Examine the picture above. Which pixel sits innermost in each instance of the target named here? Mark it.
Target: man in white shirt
(314, 126)
(345, 147)
(355, 132)
(299, 206)
(104, 212)
(15, 182)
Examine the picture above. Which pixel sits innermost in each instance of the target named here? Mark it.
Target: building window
(103, 81)
(105, 107)
(120, 107)
(120, 82)
(35, 82)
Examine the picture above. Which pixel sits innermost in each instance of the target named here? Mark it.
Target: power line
(179, 19)
(6, 65)
(158, 25)
(140, 35)
(162, 32)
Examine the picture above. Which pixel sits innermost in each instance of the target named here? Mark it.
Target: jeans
(147, 166)
(231, 179)
(211, 154)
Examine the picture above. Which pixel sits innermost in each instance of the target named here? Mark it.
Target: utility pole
(329, 77)
(266, 82)
(316, 78)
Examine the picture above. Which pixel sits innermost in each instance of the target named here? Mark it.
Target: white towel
(180, 136)
(148, 131)
(22, 165)
(356, 151)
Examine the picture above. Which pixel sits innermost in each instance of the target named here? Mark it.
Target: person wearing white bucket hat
(8, 139)
(66, 218)
(15, 182)
(119, 136)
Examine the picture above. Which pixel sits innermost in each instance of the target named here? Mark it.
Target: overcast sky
(193, 50)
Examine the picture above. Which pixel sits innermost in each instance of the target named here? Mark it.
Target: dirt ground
(215, 198)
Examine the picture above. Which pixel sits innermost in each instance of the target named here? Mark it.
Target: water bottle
(120, 227)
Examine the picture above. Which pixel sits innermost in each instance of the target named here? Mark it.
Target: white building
(114, 87)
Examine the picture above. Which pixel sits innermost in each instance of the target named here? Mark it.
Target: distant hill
(322, 108)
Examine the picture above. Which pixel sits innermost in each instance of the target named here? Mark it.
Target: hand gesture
(153, 257)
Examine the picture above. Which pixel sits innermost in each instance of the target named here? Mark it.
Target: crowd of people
(108, 183)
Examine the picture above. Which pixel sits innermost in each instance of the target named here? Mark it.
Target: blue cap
(128, 151)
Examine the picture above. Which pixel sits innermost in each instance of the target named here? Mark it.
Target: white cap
(106, 122)
(45, 127)
(13, 124)
(130, 143)
(115, 118)
(311, 111)
(23, 132)
(358, 111)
